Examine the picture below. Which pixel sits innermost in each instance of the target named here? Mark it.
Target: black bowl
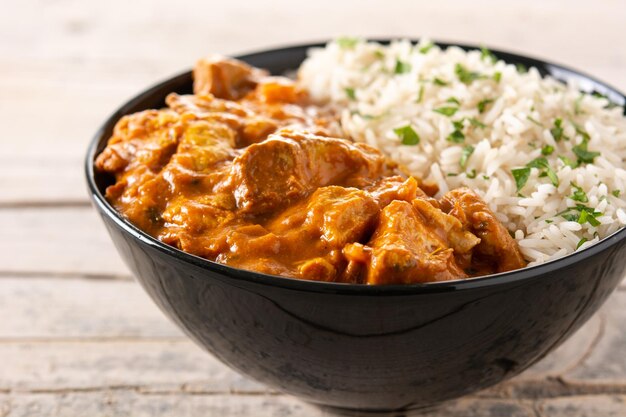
(357, 346)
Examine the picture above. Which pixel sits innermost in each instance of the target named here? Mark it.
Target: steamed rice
(477, 120)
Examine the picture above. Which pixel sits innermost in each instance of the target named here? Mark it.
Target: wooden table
(78, 337)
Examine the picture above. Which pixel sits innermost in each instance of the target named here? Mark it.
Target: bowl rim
(517, 276)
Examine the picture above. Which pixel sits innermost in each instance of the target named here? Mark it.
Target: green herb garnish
(521, 176)
(440, 82)
(347, 43)
(402, 67)
(477, 123)
(557, 130)
(465, 154)
(535, 121)
(350, 93)
(542, 164)
(521, 68)
(487, 55)
(466, 76)
(471, 174)
(584, 155)
(497, 76)
(446, 111)
(407, 135)
(427, 47)
(547, 150)
(483, 104)
(579, 194)
(568, 162)
(577, 109)
(420, 94)
(456, 137)
(616, 193)
(580, 242)
(453, 100)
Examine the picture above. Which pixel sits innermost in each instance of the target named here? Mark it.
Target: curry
(249, 172)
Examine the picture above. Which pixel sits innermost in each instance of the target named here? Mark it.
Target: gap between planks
(541, 389)
(64, 275)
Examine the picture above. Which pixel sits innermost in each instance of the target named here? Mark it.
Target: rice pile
(547, 159)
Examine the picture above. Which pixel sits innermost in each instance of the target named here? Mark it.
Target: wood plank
(148, 365)
(124, 403)
(583, 406)
(59, 240)
(83, 309)
(606, 363)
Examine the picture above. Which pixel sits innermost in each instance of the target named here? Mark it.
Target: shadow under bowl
(365, 347)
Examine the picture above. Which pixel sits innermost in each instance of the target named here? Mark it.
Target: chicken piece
(280, 90)
(397, 187)
(406, 249)
(224, 77)
(204, 144)
(289, 166)
(496, 246)
(144, 139)
(334, 215)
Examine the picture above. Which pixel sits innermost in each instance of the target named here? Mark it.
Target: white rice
(518, 122)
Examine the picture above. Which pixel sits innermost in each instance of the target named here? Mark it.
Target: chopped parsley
(347, 43)
(609, 105)
(585, 215)
(407, 135)
(477, 123)
(427, 47)
(456, 136)
(497, 76)
(379, 54)
(482, 105)
(471, 174)
(453, 100)
(466, 76)
(440, 82)
(548, 221)
(584, 156)
(446, 110)
(521, 68)
(485, 177)
(521, 177)
(487, 55)
(616, 193)
(535, 121)
(452, 174)
(350, 93)
(580, 242)
(547, 150)
(402, 67)
(568, 162)
(465, 154)
(582, 132)
(557, 130)
(542, 164)
(577, 103)
(420, 94)
(579, 194)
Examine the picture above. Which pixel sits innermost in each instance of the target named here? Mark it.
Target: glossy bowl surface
(356, 346)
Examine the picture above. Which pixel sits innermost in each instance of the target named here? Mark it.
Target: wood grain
(79, 338)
